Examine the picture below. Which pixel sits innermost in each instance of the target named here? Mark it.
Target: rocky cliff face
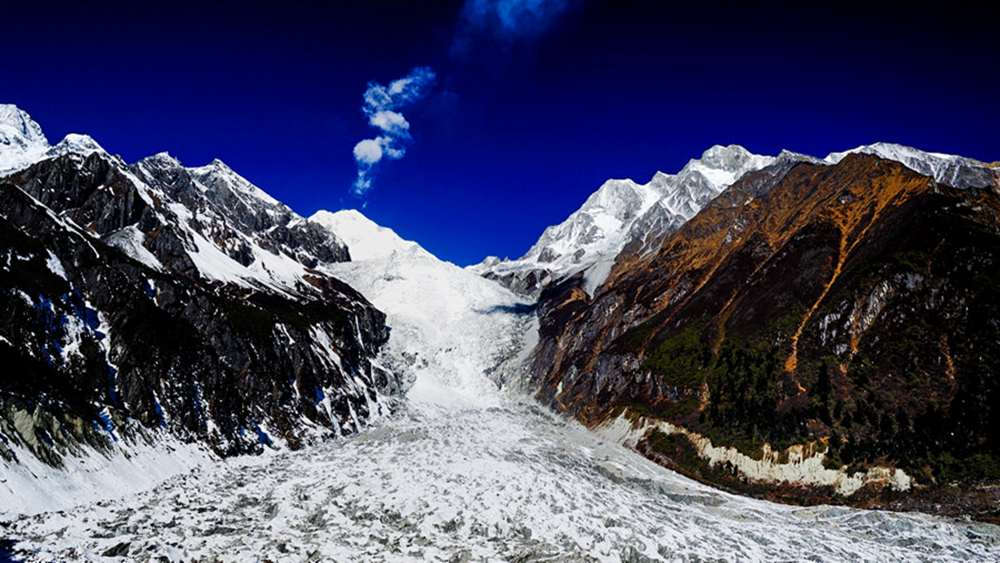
(157, 298)
(848, 306)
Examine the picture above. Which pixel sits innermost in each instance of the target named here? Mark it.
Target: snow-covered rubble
(475, 483)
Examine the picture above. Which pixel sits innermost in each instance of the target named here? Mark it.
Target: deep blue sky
(518, 131)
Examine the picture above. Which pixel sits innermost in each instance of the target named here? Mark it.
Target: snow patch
(55, 266)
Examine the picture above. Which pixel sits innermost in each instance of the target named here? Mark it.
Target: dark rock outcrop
(101, 342)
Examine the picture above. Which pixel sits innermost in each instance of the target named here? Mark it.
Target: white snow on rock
(75, 144)
(32, 487)
(22, 141)
(591, 238)
(220, 212)
(951, 170)
(221, 172)
(366, 240)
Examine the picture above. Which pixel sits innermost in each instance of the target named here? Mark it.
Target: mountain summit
(21, 139)
(589, 240)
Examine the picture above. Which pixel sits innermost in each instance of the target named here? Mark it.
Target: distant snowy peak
(365, 239)
(589, 240)
(600, 225)
(21, 139)
(624, 214)
(951, 170)
(18, 126)
(76, 144)
(22, 142)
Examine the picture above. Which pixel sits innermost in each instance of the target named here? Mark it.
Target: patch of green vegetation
(678, 452)
(781, 330)
(744, 387)
(682, 358)
(633, 339)
(973, 469)
(664, 411)
(665, 443)
(643, 410)
(914, 260)
(685, 407)
(832, 462)
(743, 380)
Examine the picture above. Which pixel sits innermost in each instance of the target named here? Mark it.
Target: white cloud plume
(390, 122)
(368, 152)
(381, 106)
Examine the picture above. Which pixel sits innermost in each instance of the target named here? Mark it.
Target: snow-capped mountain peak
(162, 159)
(723, 165)
(21, 139)
(218, 171)
(76, 143)
(365, 239)
(23, 143)
(17, 121)
(951, 170)
(590, 239)
(79, 147)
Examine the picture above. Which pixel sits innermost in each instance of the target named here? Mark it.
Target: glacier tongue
(449, 328)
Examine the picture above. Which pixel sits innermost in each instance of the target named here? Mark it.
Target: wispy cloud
(507, 20)
(503, 21)
(382, 105)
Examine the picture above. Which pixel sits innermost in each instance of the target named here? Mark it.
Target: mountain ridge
(591, 237)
